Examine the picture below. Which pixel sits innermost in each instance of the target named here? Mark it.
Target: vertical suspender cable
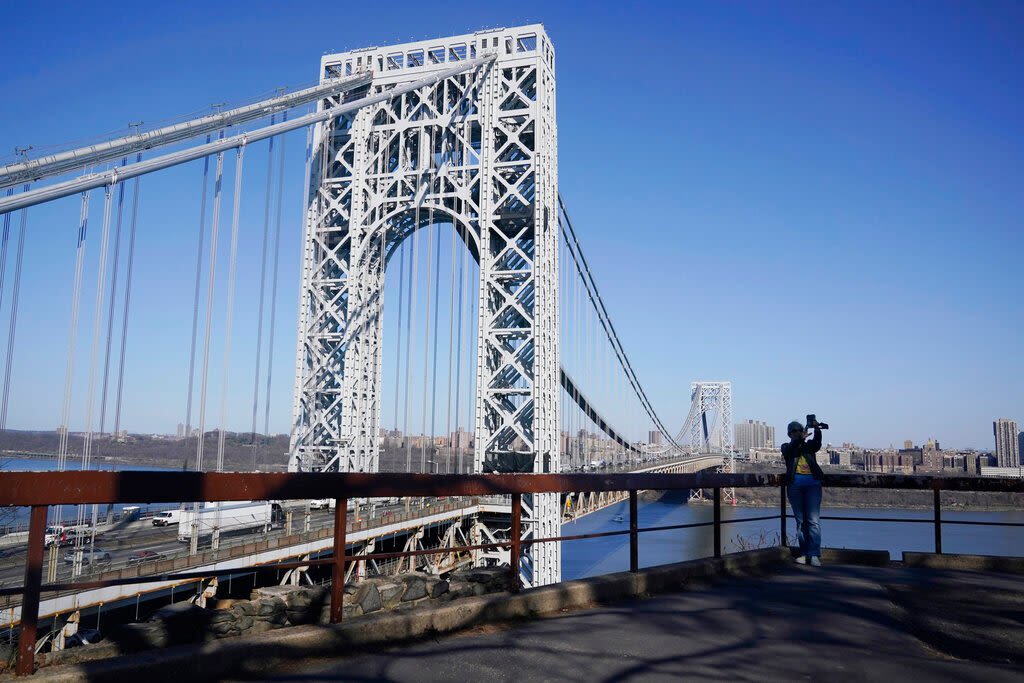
(76, 297)
(195, 298)
(94, 355)
(451, 348)
(398, 328)
(437, 308)
(273, 276)
(129, 269)
(204, 378)
(14, 317)
(426, 345)
(97, 324)
(263, 288)
(232, 262)
(458, 356)
(113, 297)
(410, 334)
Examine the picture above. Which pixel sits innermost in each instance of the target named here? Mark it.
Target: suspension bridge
(448, 319)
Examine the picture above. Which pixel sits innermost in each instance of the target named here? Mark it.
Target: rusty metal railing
(39, 490)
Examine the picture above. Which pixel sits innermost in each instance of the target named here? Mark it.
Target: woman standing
(803, 479)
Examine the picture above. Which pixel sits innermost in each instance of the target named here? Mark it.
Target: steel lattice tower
(479, 149)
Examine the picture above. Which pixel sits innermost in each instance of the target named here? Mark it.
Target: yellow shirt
(802, 466)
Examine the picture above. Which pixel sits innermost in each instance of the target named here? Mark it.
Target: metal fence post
(938, 521)
(30, 599)
(634, 546)
(718, 521)
(782, 517)
(338, 568)
(517, 540)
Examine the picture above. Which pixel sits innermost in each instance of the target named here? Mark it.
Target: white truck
(227, 517)
(167, 517)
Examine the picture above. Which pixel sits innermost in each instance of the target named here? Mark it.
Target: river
(591, 557)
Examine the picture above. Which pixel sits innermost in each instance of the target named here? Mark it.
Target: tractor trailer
(228, 517)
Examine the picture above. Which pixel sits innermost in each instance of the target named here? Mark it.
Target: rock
(303, 607)
(260, 627)
(245, 607)
(223, 617)
(415, 588)
(138, 637)
(183, 623)
(281, 592)
(439, 589)
(390, 593)
(269, 607)
(244, 623)
(368, 598)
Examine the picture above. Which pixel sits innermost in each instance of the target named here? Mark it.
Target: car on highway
(88, 555)
(320, 504)
(140, 556)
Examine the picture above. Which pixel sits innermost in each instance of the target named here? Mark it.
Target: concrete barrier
(870, 558)
(978, 563)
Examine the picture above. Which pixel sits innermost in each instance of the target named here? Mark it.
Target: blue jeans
(805, 498)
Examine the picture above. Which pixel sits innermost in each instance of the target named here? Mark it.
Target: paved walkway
(839, 623)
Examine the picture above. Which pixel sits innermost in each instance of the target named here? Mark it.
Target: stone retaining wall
(276, 607)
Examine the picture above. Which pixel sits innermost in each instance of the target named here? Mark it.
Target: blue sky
(821, 204)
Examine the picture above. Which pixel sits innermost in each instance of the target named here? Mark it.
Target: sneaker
(815, 561)
(802, 559)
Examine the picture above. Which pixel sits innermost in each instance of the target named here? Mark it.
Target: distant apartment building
(751, 434)
(461, 439)
(932, 459)
(908, 444)
(654, 438)
(1007, 442)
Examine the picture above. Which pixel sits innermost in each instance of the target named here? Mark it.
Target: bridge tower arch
(480, 146)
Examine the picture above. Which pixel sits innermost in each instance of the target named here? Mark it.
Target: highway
(142, 535)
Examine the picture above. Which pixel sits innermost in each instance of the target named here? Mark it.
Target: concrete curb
(251, 654)
(868, 558)
(979, 563)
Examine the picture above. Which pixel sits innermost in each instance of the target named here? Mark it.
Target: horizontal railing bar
(76, 488)
(879, 519)
(691, 525)
(575, 537)
(735, 520)
(975, 523)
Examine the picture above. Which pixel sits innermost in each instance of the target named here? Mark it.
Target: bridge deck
(838, 623)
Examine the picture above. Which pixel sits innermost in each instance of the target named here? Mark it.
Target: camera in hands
(812, 423)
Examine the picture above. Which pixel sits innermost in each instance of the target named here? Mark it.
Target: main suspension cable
(588, 281)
